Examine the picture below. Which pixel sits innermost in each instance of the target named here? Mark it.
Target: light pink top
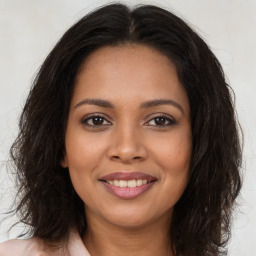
(35, 247)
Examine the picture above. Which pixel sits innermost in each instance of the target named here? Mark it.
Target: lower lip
(128, 193)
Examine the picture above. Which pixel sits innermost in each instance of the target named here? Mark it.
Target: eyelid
(172, 120)
(89, 116)
(164, 115)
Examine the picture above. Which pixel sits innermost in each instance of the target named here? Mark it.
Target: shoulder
(22, 247)
(37, 247)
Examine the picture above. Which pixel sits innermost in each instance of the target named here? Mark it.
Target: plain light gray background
(29, 29)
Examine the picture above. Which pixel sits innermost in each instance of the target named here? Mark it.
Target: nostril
(126, 158)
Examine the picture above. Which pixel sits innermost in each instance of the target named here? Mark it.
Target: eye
(162, 121)
(95, 121)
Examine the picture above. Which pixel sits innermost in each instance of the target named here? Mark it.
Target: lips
(127, 185)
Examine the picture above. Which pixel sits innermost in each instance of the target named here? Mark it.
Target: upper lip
(128, 176)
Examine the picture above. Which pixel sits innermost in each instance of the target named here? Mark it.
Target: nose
(127, 146)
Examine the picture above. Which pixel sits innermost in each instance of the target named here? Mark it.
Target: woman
(128, 142)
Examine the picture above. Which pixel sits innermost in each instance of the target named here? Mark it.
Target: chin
(130, 222)
(134, 217)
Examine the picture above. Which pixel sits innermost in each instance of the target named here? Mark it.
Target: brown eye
(161, 121)
(95, 121)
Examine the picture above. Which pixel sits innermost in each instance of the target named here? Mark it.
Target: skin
(129, 138)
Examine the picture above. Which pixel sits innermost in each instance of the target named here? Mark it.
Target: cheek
(83, 157)
(174, 159)
(83, 152)
(174, 154)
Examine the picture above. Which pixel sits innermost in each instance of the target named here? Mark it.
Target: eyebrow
(147, 104)
(97, 102)
(158, 102)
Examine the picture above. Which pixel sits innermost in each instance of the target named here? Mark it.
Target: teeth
(127, 183)
(123, 183)
(139, 182)
(131, 183)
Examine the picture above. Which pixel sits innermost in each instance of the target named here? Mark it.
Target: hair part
(48, 202)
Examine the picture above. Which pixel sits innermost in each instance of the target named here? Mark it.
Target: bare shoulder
(22, 247)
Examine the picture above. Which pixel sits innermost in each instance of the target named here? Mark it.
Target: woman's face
(128, 137)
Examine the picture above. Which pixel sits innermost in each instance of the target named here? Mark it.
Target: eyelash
(170, 120)
(85, 121)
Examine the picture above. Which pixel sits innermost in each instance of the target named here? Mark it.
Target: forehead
(113, 59)
(128, 72)
(128, 51)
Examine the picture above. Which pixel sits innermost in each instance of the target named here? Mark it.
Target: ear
(64, 161)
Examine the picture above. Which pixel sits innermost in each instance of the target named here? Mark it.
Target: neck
(105, 239)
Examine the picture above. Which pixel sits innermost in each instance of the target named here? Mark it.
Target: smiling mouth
(128, 185)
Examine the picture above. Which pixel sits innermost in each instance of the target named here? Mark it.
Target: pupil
(160, 120)
(97, 120)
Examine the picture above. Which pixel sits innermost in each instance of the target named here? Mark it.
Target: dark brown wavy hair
(48, 202)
